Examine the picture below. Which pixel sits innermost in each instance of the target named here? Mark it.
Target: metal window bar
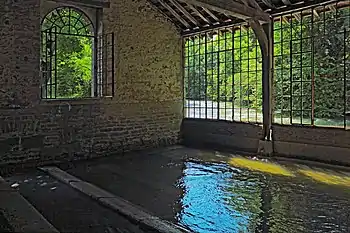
(105, 65)
(317, 91)
(49, 63)
(219, 75)
(78, 24)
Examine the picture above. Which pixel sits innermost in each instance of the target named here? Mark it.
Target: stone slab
(90, 190)
(56, 172)
(116, 203)
(21, 215)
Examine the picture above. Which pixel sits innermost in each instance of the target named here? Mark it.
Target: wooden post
(264, 34)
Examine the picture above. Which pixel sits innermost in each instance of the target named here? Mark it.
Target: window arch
(67, 59)
(75, 62)
(68, 20)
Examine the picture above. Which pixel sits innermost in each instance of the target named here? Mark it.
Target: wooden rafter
(253, 3)
(287, 2)
(211, 14)
(184, 12)
(199, 14)
(196, 16)
(231, 8)
(175, 14)
(297, 15)
(269, 4)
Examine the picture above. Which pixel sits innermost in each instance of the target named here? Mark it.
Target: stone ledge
(328, 154)
(116, 203)
(20, 214)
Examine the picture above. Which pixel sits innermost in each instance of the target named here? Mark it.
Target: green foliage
(311, 56)
(74, 63)
(67, 53)
(224, 68)
(310, 68)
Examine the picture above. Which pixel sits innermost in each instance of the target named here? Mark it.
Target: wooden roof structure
(193, 16)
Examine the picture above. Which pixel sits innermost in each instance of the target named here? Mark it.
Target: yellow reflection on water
(326, 178)
(260, 166)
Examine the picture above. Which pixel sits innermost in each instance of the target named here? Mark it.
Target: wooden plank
(287, 2)
(233, 8)
(175, 14)
(253, 3)
(88, 3)
(269, 4)
(211, 14)
(199, 14)
(184, 11)
(261, 35)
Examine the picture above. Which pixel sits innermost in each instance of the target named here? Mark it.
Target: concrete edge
(21, 215)
(115, 203)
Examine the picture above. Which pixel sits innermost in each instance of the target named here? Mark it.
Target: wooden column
(265, 36)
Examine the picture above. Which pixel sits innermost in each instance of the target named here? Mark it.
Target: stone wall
(313, 143)
(324, 144)
(146, 111)
(19, 52)
(148, 52)
(221, 134)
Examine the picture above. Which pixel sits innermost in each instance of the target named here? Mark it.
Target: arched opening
(67, 54)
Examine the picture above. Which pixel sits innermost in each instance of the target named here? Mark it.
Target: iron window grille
(311, 67)
(223, 75)
(93, 70)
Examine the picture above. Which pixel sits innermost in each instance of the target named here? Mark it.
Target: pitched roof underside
(191, 18)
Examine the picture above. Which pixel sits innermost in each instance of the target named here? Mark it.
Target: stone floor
(152, 180)
(67, 209)
(148, 179)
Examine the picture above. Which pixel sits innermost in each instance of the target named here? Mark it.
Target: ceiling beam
(253, 3)
(269, 4)
(199, 14)
(287, 2)
(211, 14)
(185, 12)
(175, 14)
(230, 7)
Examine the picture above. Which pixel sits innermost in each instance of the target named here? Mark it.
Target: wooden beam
(253, 3)
(287, 2)
(230, 7)
(264, 33)
(199, 14)
(333, 8)
(301, 6)
(211, 14)
(175, 14)
(316, 14)
(260, 34)
(88, 3)
(185, 12)
(269, 4)
(297, 16)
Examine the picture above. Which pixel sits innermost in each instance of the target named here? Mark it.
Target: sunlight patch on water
(260, 166)
(326, 178)
(244, 195)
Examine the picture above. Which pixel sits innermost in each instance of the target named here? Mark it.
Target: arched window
(67, 58)
(68, 20)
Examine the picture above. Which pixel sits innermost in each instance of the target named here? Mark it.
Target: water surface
(258, 196)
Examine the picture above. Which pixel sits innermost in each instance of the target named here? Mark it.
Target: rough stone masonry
(146, 110)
